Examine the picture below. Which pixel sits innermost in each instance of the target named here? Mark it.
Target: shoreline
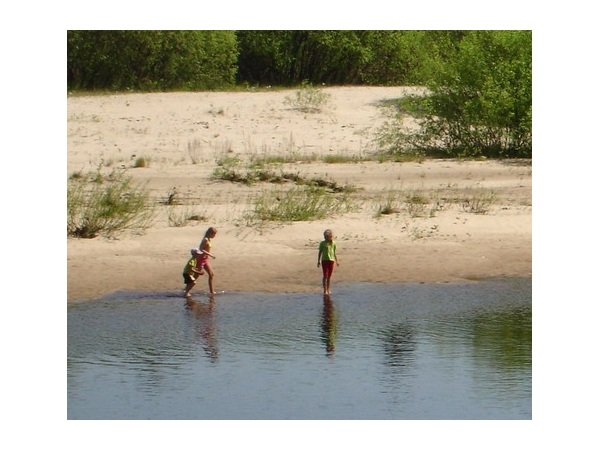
(200, 294)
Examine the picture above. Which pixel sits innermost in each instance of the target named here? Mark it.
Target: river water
(369, 351)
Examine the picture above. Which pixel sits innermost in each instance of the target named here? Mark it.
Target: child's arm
(208, 253)
(319, 257)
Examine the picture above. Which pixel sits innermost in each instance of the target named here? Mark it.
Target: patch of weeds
(480, 202)
(390, 205)
(108, 207)
(330, 185)
(230, 169)
(171, 195)
(308, 98)
(289, 158)
(300, 203)
(180, 216)
(141, 161)
(342, 159)
(416, 204)
(388, 156)
(77, 175)
(415, 232)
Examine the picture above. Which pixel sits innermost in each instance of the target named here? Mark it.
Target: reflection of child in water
(327, 258)
(190, 272)
(328, 325)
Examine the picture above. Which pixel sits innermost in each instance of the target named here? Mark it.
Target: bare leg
(188, 288)
(211, 277)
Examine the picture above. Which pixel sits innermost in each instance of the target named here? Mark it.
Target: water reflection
(401, 352)
(329, 324)
(503, 338)
(202, 316)
(399, 345)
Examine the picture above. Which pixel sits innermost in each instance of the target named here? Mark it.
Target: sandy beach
(182, 136)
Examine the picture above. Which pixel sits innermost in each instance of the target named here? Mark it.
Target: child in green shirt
(327, 258)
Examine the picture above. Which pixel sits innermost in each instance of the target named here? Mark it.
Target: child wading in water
(327, 258)
(203, 254)
(191, 272)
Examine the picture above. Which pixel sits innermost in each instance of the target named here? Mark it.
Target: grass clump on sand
(106, 206)
(232, 169)
(308, 99)
(300, 203)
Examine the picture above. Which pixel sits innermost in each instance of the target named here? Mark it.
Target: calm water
(373, 351)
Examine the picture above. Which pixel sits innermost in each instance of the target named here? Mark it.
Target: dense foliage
(480, 101)
(150, 60)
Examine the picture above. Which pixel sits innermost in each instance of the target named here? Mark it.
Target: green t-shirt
(327, 250)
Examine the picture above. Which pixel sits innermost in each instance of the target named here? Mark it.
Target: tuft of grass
(479, 202)
(390, 205)
(141, 161)
(181, 216)
(300, 203)
(416, 204)
(342, 159)
(107, 207)
(288, 158)
(308, 98)
(231, 169)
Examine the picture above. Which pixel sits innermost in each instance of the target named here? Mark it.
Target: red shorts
(327, 267)
(201, 262)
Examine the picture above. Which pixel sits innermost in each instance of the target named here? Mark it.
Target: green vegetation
(479, 102)
(479, 202)
(333, 57)
(106, 205)
(299, 203)
(425, 204)
(150, 60)
(231, 168)
(308, 98)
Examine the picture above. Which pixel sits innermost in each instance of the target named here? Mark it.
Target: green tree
(484, 95)
(150, 60)
(330, 56)
(480, 101)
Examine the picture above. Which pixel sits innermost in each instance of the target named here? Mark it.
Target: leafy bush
(308, 98)
(150, 59)
(479, 101)
(109, 207)
(336, 57)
